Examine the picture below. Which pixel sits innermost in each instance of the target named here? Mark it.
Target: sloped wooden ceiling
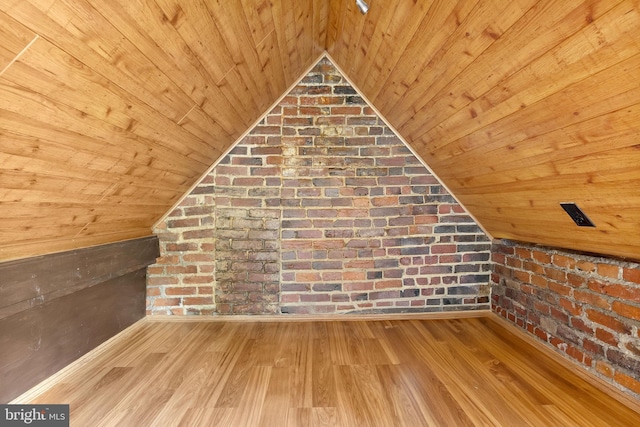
(516, 105)
(111, 110)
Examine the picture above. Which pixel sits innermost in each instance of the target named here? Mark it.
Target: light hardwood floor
(348, 373)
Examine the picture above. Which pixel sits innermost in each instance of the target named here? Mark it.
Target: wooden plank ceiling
(110, 111)
(516, 105)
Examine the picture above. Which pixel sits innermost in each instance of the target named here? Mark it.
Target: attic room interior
(321, 212)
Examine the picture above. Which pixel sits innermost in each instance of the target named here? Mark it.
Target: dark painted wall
(56, 308)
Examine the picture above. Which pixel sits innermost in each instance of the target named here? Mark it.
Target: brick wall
(182, 280)
(320, 209)
(583, 306)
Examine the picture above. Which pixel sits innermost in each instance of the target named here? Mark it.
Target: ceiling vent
(577, 215)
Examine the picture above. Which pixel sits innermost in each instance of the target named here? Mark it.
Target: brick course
(586, 307)
(320, 209)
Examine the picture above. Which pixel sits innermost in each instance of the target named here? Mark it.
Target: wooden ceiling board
(562, 152)
(320, 16)
(284, 12)
(386, 41)
(592, 104)
(24, 102)
(15, 38)
(334, 23)
(110, 111)
(33, 163)
(435, 29)
(75, 27)
(350, 27)
(43, 70)
(528, 38)
(467, 44)
(516, 106)
(149, 29)
(286, 53)
(547, 75)
(236, 34)
(97, 154)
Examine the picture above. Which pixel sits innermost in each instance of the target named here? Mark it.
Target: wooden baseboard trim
(323, 317)
(582, 372)
(59, 376)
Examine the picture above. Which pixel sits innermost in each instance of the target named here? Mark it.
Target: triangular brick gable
(320, 209)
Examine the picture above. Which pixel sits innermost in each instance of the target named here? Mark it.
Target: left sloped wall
(55, 308)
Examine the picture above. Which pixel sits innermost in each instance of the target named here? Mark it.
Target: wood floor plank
(435, 400)
(176, 407)
(548, 379)
(228, 357)
(453, 372)
(323, 383)
(361, 397)
(300, 378)
(302, 417)
(435, 352)
(208, 416)
(277, 398)
(490, 370)
(406, 404)
(251, 404)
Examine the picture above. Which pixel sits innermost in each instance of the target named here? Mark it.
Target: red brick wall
(321, 209)
(583, 306)
(182, 280)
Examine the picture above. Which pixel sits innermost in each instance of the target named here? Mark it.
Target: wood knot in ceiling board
(589, 18)
(492, 34)
(131, 126)
(178, 15)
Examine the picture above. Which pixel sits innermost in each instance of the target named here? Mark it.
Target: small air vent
(577, 215)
